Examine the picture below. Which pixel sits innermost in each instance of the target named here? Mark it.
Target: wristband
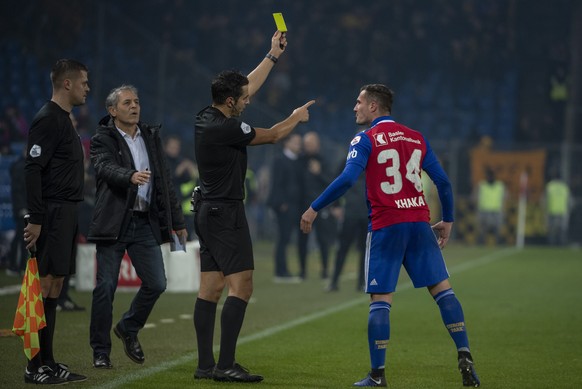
(272, 57)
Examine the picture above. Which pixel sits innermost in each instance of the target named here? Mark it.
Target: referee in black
(54, 175)
(226, 253)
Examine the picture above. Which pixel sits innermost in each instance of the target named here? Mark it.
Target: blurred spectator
(316, 177)
(558, 205)
(285, 200)
(184, 175)
(83, 123)
(259, 209)
(353, 228)
(490, 197)
(18, 254)
(84, 119)
(17, 123)
(5, 137)
(252, 201)
(64, 301)
(559, 96)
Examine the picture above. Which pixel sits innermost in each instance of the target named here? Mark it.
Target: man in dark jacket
(316, 177)
(136, 209)
(354, 228)
(285, 199)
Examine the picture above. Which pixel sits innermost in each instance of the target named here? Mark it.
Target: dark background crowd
(462, 71)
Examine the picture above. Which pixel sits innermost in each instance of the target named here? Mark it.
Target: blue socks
(379, 327)
(378, 333)
(452, 314)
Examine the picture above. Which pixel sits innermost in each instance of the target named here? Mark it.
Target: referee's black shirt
(54, 163)
(221, 154)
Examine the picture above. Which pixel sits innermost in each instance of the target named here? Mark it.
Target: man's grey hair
(113, 97)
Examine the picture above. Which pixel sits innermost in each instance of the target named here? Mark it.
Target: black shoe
(69, 306)
(236, 373)
(467, 370)
(43, 376)
(102, 361)
(201, 374)
(62, 371)
(131, 345)
(332, 288)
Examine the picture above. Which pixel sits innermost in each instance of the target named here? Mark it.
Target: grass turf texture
(522, 310)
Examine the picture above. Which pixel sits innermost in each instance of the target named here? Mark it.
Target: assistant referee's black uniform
(221, 225)
(54, 174)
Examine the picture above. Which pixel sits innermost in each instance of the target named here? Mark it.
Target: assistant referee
(226, 254)
(54, 174)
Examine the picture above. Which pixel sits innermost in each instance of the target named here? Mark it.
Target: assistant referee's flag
(29, 318)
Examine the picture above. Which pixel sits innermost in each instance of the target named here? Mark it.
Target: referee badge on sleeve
(245, 128)
(35, 151)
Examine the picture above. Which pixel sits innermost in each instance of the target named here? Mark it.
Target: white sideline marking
(188, 358)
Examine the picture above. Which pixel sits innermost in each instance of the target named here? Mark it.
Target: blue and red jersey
(393, 157)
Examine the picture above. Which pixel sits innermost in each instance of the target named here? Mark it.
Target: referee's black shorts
(225, 240)
(56, 247)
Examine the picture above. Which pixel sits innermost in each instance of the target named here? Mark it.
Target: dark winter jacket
(115, 195)
(286, 183)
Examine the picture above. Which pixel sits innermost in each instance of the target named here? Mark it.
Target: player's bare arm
(258, 76)
(284, 128)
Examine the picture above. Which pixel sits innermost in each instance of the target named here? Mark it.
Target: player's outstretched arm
(282, 129)
(258, 76)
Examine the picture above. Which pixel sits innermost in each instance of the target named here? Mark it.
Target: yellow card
(280, 22)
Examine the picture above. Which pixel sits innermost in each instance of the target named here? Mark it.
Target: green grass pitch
(523, 310)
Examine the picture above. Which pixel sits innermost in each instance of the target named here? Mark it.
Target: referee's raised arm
(258, 76)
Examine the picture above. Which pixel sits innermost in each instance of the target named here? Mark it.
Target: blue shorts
(412, 245)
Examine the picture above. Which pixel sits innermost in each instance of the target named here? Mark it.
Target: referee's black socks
(204, 318)
(47, 334)
(231, 320)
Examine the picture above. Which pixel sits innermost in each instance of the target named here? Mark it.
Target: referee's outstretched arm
(282, 129)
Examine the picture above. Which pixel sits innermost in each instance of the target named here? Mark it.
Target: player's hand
(442, 230)
(307, 220)
(31, 234)
(278, 43)
(302, 112)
